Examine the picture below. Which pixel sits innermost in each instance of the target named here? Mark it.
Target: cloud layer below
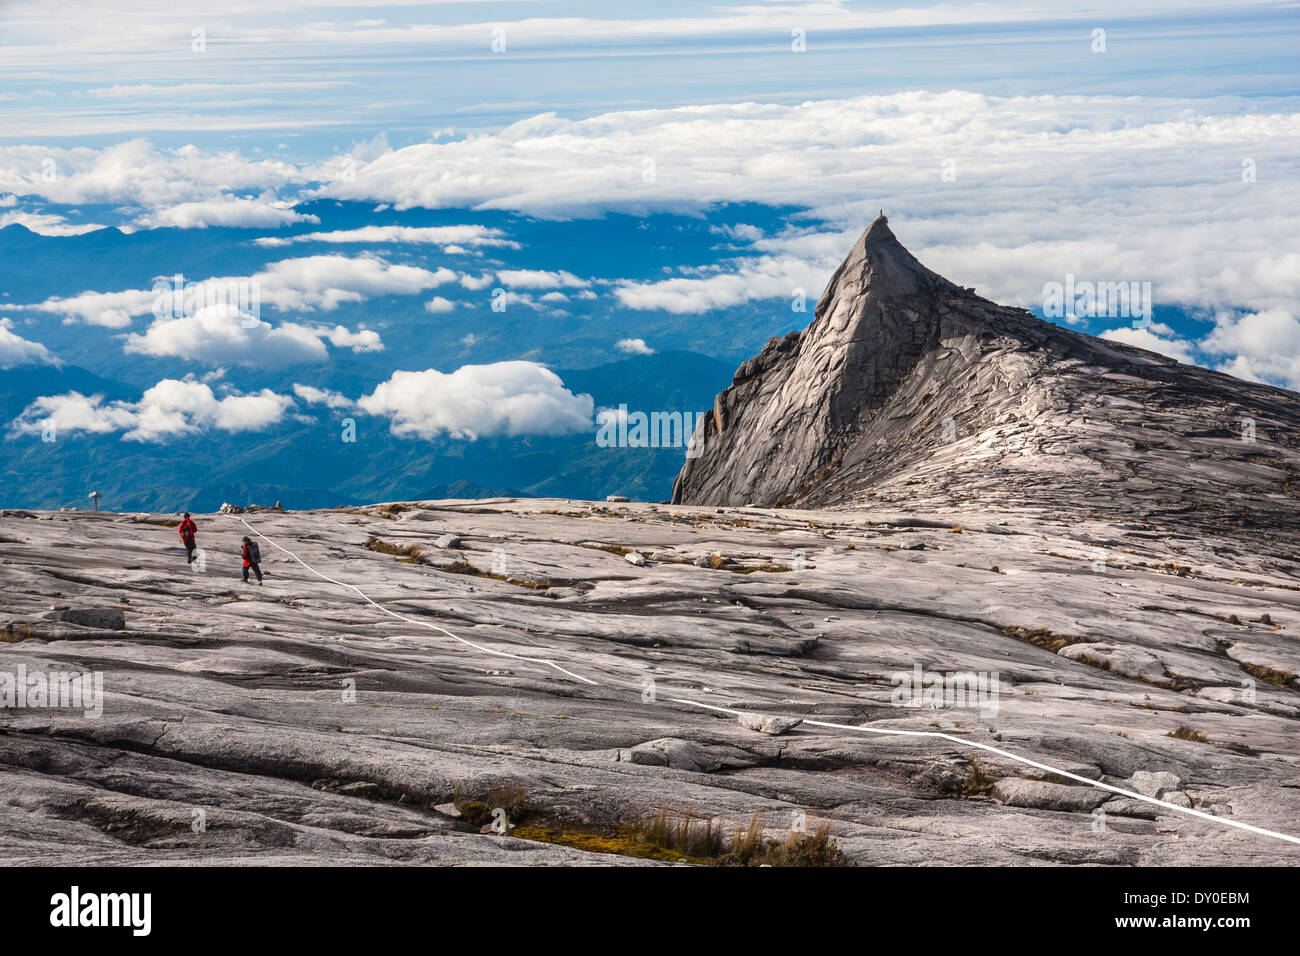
(171, 409)
(1006, 194)
(475, 401)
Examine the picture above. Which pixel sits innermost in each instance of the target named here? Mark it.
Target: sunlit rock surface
(909, 389)
(1159, 661)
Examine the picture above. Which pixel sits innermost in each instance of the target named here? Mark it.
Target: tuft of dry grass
(510, 797)
(700, 838)
(978, 782)
(1187, 733)
(611, 548)
(1269, 675)
(1042, 637)
(409, 553)
(767, 567)
(15, 633)
(815, 847)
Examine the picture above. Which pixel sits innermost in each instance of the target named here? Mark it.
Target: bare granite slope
(1159, 664)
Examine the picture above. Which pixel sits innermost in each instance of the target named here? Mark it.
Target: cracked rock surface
(296, 722)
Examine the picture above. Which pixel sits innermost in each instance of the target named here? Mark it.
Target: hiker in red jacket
(252, 559)
(187, 530)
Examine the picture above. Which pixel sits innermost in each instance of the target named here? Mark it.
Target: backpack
(254, 554)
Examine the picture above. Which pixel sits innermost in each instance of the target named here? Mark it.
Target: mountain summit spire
(807, 390)
(905, 382)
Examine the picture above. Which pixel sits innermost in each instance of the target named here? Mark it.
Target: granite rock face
(299, 723)
(907, 387)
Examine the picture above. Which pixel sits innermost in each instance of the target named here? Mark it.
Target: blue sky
(1013, 145)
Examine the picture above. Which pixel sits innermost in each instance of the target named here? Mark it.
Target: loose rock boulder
(1152, 783)
(1041, 795)
(675, 753)
(771, 725)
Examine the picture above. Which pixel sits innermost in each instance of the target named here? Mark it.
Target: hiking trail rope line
(961, 741)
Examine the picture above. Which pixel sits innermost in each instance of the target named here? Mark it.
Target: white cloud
(1265, 346)
(264, 213)
(546, 304)
(634, 347)
(504, 398)
(1097, 186)
(112, 310)
(326, 281)
(322, 396)
(170, 409)
(221, 334)
(1259, 335)
(305, 284)
(16, 350)
(746, 280)
(740, 232)
(326, 30)
(540, 279)
(1257, 346)
(1177, 349)
(120, 91)
(363, 340)
(438, 304)
(135, 172)
(1028, 170)
(451, 238)
(46, 224)
(73, 412)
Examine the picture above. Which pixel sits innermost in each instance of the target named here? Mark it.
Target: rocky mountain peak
(879, 264)
(907, 386)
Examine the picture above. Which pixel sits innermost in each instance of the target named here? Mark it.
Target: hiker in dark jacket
(252, 559)
(187, 531)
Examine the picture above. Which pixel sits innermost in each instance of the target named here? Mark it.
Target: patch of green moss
(674, 837)
(625, 841)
